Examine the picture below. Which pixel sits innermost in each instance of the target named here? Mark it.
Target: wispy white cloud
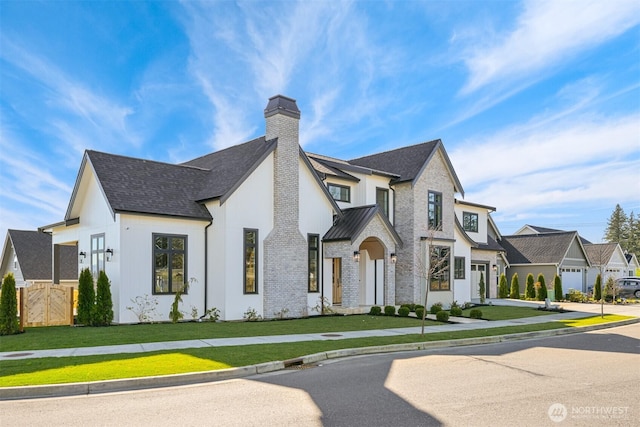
(546, 34)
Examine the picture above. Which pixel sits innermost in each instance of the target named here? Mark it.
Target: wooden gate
(46, 305)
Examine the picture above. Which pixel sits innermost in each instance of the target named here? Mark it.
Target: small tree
(175, 314)
(557, 288)
(515, 287)
(530, 291)
(542, 289)
(597, 288)
(9, 307)
(103, 315)
(503, 291)
(86, 297)
(482, 289)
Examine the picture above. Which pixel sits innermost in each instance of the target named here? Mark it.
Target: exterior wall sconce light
(81, 256)
(109, 253)
(394, 258)
(495, 267)
(356, 256)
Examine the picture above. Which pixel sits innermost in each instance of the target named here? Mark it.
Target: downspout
(322, 280)
(206, 266)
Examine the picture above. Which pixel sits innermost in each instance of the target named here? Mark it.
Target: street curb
(95, 387)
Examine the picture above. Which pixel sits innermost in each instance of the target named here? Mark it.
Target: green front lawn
(501, 312)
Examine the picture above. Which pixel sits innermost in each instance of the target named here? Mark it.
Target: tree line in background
(623, 229)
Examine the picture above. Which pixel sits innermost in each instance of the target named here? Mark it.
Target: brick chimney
(285, 249)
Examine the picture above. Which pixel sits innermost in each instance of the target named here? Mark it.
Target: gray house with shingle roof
(550, 253)
(28, 256)
(608, 260)
(265, 226)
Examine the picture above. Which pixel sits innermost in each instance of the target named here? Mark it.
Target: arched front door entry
(371, 274)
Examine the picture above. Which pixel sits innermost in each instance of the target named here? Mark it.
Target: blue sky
(537, 102)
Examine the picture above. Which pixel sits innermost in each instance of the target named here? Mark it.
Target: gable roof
(601, 253)
(34, 249)
(354, 220)
(408, 162)
(546, 248)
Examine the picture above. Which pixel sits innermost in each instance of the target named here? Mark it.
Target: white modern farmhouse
(265, 226)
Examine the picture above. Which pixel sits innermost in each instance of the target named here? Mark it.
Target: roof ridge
(225, 149)
(397, 149)
(180, 165)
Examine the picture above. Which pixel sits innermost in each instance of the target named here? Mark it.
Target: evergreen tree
(542, 289)
(557, 288)
(103, 315)
(482, 289)
(515, 287)
(503, 291)
(617, 225)
(9, 324)
(597, 288)
(86, 297)
(633, 241)
(530, 291)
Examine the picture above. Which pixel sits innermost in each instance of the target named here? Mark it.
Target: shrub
(9, 307)
(475, 313)
(455, 304)
(456, 311)
(251, 315)
(103, 315)
(389, 310)
(419, 312)
(418, 306)
(503, 291)
(145, 308)
(515, 287)
(435, 308)
(597, 288)
(557, 288)
(404, 311)
(442, 316)
(482, 289)
(530, 291)
(541, 288)
(375, 311)
(86, 297)
(576, 296)
(212, 314)
(611, 291)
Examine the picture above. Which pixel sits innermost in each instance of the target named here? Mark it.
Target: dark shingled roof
(33, 250)
(353, 221)
(407, 162)
(491, 245)
(543, 230)
(546, 248)
(600, 253)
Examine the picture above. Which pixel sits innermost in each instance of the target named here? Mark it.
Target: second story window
(341, 193)
(470, 221)
(382, 199)
(435, 211)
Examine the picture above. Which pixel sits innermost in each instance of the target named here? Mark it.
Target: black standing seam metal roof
(34, 252)
(353, 221)
(546, 248)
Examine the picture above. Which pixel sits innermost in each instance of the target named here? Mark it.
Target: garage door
(571, 279)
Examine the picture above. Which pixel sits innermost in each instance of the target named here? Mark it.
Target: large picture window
(458, 268)
(314, 255)
(170, 263)
(439, 269)
(382, 199)
(435, 210)
(250, 261)
(97, 254)
(340, 193)
(470, 221)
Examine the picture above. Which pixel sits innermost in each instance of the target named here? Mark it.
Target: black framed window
(382, 199)
(97, 254)
(439, 268)
(250, 261)
(470, 221)
(435, 210)
(341, 193)
(458, 267)
(170, 263)
(314, 257)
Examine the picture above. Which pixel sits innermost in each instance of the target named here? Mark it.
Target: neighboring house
(28, 255)
(477, 253)
(634, 265)
(265, 226)
(608, 260)
(551, 253)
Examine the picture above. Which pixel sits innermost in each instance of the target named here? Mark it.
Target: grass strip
(104, 367)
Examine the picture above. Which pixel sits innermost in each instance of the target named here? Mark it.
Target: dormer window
(341, 193)
(470, 221)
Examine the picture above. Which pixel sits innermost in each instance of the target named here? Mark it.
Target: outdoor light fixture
(109, 253)
(356, 256)
(394, 258)
(81, 256)
(495, 267)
